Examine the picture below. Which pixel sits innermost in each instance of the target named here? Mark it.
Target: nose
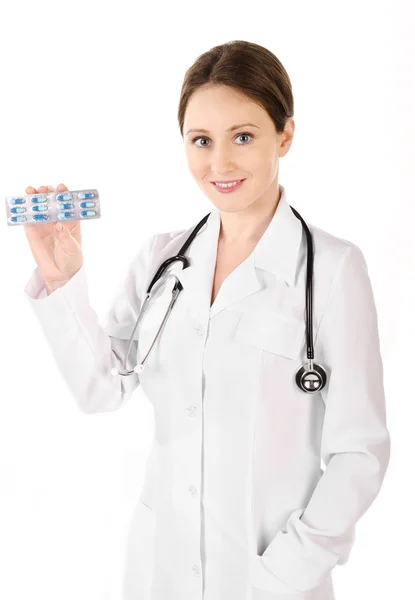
(222, 161)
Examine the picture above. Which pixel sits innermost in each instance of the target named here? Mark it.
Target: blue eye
(201, 137)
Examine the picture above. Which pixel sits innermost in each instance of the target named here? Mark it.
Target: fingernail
(59, 226)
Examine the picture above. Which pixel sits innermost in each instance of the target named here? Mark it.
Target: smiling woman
(235, 503)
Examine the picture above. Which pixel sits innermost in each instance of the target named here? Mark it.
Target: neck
(247, 226)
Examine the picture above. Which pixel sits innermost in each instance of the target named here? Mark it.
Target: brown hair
(249, 69)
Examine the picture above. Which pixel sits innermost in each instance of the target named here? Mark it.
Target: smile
(228, 187)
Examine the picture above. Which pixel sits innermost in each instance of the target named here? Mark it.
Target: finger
(60, 188)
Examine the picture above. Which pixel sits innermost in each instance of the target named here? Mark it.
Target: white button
(200, 329)
(191, 411)
(196, 571)
(192, 490)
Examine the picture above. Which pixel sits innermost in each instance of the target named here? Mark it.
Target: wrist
(51, 286)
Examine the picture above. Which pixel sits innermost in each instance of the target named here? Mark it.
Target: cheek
(263, 162)
(265, 171)
(196, 165)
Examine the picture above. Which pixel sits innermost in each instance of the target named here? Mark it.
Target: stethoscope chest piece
(311, 378)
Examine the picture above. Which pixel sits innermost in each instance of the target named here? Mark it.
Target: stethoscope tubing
(310, 378)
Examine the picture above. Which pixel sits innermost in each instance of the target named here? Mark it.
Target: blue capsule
(18, 201)
(17, 219)
(86, 204)
(40, 208)
(85, 195)
(65, 215)
(17, 209)
(66, 196)
(39, 199)
(65, 205)
(40, 217)
(87, 213)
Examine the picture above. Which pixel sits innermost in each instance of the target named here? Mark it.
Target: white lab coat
(236, 503)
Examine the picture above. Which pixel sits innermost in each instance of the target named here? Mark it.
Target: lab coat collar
(276, 252)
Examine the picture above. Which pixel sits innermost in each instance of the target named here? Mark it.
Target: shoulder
(347, 310)
(167, 244)
(331, 252)
(340, 273)
(153, 250)
(169, 239)
(162, 246)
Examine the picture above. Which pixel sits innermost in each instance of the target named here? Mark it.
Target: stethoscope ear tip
(114, 371)
(139, 369)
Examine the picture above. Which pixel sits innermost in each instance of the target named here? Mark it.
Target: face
(250, 152)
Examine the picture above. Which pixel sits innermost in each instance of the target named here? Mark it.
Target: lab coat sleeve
(355, 444)
(85, 350)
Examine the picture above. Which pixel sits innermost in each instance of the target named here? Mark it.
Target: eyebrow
(230, 128)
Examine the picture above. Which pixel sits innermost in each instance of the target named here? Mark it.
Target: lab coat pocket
(139, 554)
(266, 586)
(271, 331)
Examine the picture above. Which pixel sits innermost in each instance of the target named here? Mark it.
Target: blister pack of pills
(47, 207)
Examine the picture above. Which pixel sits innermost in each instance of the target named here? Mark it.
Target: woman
(235, 501)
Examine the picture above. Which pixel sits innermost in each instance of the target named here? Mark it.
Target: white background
(89, 97)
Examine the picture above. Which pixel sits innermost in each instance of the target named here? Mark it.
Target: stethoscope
(310, 377)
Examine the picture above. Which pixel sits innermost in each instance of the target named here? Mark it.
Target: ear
(287, 136)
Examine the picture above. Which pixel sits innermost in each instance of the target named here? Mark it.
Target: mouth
(228, 186)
